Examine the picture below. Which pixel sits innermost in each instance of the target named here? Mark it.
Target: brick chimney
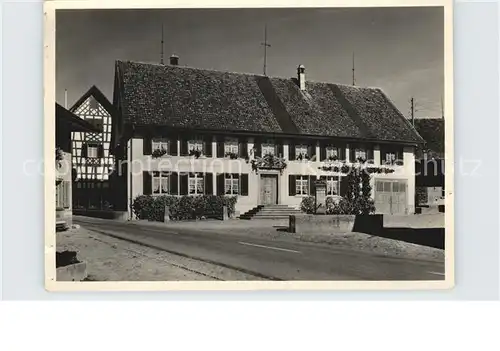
(174, 60)
(301, 76)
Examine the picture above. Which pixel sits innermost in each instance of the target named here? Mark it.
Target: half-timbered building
(92, 161)
(188, 131)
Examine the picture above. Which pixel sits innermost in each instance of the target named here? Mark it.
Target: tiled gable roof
(181, 97)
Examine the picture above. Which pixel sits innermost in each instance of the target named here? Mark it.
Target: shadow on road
(433, 237)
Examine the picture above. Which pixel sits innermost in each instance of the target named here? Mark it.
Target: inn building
(187, 131)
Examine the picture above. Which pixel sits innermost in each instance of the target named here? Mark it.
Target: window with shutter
(183, 184)
(207, 150)
(244, 185)
(291, 185)
(243, 148)
(220, 148)
(174, 183)
(146, 183)
(184, 147)
(301, 185)
(196, 184)
(291, 151)
(161, 183)
(220, 184)
(231, 148)
(209, 185)
(160, 145)
(231, 184)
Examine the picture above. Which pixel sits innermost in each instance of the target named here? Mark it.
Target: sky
(400, 50)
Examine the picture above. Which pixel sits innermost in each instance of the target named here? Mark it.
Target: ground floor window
(231, 184)
(161, 183)
(332, 186)
(196, 184)
(301, 185)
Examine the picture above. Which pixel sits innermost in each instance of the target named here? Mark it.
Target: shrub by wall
(308, 204)
(182, 207)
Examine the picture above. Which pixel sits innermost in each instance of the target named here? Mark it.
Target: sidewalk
(110, 259)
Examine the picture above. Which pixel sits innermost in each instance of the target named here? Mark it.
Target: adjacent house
(188, 131)
(91, 157)
(430, 162)
(66, 123)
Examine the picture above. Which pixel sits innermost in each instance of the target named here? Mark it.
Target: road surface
(271, 259)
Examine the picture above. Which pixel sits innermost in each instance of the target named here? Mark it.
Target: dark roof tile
(153, 94)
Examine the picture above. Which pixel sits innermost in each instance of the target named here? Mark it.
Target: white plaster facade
(140, 163)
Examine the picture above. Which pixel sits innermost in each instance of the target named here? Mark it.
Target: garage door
(390, 196)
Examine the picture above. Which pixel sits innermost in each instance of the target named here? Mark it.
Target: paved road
(272, 259)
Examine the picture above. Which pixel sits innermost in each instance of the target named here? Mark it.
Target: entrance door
(268, 189)
(390, 196)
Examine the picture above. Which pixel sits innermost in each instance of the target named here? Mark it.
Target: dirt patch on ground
(112, 259)
(109, 259)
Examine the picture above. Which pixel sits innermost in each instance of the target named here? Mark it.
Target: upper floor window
(92, 150)
(268, 149)
(231, 147)
(160, 145)
(301, 185)
(332, 153)
(391, 156)
(160, 183)
(360, 154)
(195, 145)
(196, 184)
(231, 184)
(301, 151)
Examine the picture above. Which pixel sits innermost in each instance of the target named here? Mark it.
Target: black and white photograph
(270, 147)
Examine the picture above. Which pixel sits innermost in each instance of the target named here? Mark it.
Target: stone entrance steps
(270, 212)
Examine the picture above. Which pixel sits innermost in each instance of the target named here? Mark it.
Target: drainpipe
(131, 173)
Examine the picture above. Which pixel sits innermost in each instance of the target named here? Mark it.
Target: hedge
(182, 207)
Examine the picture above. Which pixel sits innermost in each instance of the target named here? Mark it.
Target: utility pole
(412, 112)
(161, 52)
(66, 99)
(353, 77)
(266, 45)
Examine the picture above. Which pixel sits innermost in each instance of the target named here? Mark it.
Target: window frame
(197, 179)
(193, 144)
(360, 150)
(330, 149)
(265, 147)
(232, 179)
(162, 143)
(301, 149)
(301, 182)
(231, 146)
(92, 145)
(334, 180)
(160, 176)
